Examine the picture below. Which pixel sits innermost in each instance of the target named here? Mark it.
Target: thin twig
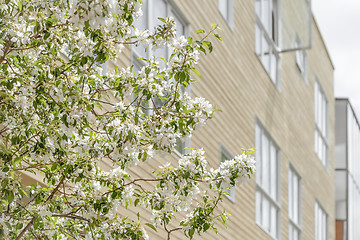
(6, 51)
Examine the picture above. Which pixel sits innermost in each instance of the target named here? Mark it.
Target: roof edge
(322, 40)
(351, 107)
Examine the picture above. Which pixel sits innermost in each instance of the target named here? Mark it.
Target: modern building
(275, 95)
(347, 171)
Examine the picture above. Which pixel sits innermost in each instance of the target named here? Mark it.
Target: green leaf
(206, 226)
(19, 225)
(20, 5)
(201, 48)
(217, 36)
(162, 58)
(37, 27)
(191, 232)
(196, 72)
(190, 40)
(162, 19)
(9, 196)
(22, 192)
(208, 45)
(200, 31)
(151, 226)
(17, 160)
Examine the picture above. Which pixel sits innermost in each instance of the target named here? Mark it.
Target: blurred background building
(347, 171)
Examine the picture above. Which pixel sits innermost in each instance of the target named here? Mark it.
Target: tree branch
(25, 229)
(6, 51)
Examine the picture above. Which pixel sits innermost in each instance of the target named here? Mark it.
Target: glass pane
(291, 201)
(161, 52)
(273, 175)
(142, 22)
(258, 154)
(316, 142)
(324, 152)
(266, 214)
(180, 28)
(316, 103)
(158, 10)
(266, 166)
(296, 199)
(290, 232)
(257, 8)
(266, 53)
(323, 130)
(258, 207)
(265, 18)
(223, 8)
(179, 147)
(320, 107)
(316, 222)
(320, 146)
(273, 223)
(273, 66)
(324, 226)
(295, 234)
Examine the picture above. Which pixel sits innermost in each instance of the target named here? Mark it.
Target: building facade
(280, 103)
(347, 171)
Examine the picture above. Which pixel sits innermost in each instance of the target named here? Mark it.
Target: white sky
(339, 23)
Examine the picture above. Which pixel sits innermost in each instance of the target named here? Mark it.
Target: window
(182, 145)
(226, 8)
(267, 182)
(321, 223)
(294, 205)
(266, 37)
(226, 155)
(321, 121)
(105, 68)
(152, 10)
(301, 59)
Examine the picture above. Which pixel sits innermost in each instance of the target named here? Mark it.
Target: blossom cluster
(79, 130)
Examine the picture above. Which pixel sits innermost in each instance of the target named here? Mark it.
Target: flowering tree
(60, 117)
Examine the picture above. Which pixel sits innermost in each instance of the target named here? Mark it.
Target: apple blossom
(65, 122)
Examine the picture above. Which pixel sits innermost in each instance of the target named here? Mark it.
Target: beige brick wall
(234, 80)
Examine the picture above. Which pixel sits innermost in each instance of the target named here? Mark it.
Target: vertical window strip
(294, 203)
(267, 200)
(226, 10)
(321, 120)
(266, 37)
(321, 223)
